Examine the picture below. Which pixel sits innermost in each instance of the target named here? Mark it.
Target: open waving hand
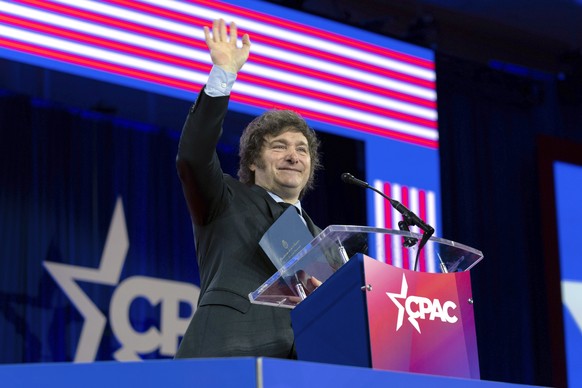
(224, 51)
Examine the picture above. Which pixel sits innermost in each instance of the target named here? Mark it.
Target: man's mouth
(290, 169)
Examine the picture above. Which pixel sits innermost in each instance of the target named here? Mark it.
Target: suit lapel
(274, 209)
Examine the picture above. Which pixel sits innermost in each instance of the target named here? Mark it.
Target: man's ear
(252, 167)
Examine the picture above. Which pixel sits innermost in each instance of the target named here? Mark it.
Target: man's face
(284, 165)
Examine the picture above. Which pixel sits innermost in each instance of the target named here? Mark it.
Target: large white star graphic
(108, 273)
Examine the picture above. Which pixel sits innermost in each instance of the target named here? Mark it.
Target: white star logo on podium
(402, 295)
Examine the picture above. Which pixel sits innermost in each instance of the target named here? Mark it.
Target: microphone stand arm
(409, 217)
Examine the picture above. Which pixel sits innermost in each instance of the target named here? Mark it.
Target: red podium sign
(420, 322)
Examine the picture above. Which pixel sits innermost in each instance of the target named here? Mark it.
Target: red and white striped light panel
(325, 76)
(389, 248)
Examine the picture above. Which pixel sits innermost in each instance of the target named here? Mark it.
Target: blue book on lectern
(287, 236)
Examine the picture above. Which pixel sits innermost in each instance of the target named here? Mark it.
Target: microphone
(349, 178)
(408, 215)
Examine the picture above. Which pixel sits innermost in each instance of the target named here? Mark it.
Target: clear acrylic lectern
(333, 247)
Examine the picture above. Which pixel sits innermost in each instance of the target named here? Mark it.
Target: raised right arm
(197, 163)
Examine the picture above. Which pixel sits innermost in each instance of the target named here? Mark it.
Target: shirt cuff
(220, 82)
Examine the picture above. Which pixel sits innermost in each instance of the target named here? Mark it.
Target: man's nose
(292, 155)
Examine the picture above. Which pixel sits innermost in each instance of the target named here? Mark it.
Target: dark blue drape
(489, 123)
(61, 172)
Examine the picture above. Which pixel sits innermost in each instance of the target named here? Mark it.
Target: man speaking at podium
(278, 157)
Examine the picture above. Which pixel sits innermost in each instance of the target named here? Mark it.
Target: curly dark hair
(273, 123)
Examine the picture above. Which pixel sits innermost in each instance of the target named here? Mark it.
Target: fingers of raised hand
(233, 32)
(224, 50)
(220, 33)
(207, 35)
(246, 41)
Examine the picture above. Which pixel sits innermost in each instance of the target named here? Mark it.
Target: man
(278, 154)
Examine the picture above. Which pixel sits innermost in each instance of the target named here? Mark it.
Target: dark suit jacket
(229, 218)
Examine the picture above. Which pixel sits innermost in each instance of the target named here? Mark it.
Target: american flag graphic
(326, 77)
(389, 249)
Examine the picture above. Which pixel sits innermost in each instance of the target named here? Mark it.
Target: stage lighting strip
(422, 203)
(324, 76)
